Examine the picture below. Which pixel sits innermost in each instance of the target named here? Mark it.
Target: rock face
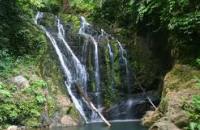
(164, 124)
(150, 118)
(67, 121)
(134, 107)
(179, 87)
(20, 81)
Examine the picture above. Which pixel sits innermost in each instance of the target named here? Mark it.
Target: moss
(163, 105)
(72, 20)
(182, 77)
(50, 71)
(48, 20)
(74, 114)
(179, 88)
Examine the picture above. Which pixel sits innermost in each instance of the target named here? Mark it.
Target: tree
(65, 5)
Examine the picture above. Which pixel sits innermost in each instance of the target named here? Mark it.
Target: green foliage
(18, 34)
(194, 109)
(28, 6)
(12, 65)
(71, 19)
(83, 6)
(6, 62)
(14, 109)
(176, 19)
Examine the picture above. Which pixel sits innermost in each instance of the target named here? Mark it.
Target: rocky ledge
(179, 87)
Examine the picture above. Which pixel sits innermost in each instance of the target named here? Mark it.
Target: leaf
(198, 61)
(35, 112)
(193, 125)
(39, 84)
(40, 99)
(5, 93)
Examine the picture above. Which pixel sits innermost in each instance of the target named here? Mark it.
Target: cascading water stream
(110, 54)
(105, 36)
(82, 31)
(112, 64)
(123, 54)
(81, 75)
(70, 80)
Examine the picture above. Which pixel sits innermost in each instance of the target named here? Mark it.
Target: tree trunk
(65, 5)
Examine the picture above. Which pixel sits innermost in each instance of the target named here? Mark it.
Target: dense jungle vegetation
(176, 23)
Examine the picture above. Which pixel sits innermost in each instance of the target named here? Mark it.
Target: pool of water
(101, 126)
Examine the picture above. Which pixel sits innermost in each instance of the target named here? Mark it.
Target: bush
(23, 107)
(194, 109)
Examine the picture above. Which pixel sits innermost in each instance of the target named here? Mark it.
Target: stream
(129, 125)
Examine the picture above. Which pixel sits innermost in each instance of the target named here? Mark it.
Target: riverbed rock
(164, 124)
(150, 118)
(20, 81)
(13, 127)
(180, 119)
(179, 88)
(67, 121)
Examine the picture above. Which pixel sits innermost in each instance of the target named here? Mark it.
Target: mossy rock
(180, 85)
(72, 20)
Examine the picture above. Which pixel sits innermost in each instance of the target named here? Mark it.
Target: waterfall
(110, 54)
(122, 55)
(124, 61)
(70, 79)
(82, 31)
(112, 64)
(81, 75)
(88, 37)
(98, 64)
(105, 36)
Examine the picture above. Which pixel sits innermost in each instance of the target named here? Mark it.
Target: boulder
(13, 127)
(164, 124)
(20, 81)
(180, 119)
(150, 117)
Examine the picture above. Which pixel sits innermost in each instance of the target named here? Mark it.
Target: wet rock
(45, 120)
(180, 119)
(13, 127)
(20, 81)
(150, 117)
(22, 128)
(179, 87)
(67, 121)
(133, 107)
(164, 124)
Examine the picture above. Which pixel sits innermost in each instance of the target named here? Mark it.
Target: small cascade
(80, 72)
(110, 54)
(123, 61)
(82, 31)
(112, 64)
(89, 37)
(38, 16)
(105, 36)
(122, 55)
